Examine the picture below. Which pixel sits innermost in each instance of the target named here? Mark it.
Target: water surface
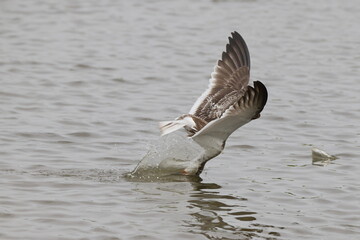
(84, 83)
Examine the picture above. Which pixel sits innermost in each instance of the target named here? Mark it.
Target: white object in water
(320, 157)
(227, 104)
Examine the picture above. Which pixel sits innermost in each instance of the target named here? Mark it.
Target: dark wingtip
(228, 46)
(260, 87)
(235, 33)
(238, 40)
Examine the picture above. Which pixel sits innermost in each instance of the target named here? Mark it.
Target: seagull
(227, 104)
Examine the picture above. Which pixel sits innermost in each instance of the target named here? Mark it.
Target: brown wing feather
(254, 98)
(228, 82)
(243, 111)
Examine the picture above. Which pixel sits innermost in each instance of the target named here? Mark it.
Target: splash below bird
(227, 104)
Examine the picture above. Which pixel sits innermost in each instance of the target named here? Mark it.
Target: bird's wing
(248, 107)
(228, 81)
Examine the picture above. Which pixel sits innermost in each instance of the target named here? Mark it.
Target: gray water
(84, 83)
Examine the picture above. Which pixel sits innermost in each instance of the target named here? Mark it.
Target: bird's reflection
(223, 216)
(212, 214)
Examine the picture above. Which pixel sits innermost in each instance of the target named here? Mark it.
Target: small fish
(321, 158)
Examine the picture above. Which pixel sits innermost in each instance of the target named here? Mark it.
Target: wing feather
(229, 102)
(228, 81)
(241, 112)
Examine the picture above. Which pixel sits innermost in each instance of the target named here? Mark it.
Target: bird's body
(227, 104)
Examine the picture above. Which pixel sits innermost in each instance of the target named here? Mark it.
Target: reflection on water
(210, 213)
(217, 219)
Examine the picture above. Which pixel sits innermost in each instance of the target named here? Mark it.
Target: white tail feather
(167, 127)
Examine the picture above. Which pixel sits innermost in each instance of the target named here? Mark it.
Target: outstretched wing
(247, 108)
(228, 81)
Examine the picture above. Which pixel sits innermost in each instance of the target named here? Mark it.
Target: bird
(228, 103)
